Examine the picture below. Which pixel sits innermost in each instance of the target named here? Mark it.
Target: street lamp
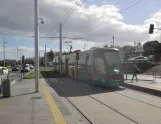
(36, 12)
(4, 42)
(41, 20)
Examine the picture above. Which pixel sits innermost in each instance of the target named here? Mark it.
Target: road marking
(57, 115)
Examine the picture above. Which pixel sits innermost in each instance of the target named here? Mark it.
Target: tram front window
(112, 60)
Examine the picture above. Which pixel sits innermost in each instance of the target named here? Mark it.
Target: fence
(13, 77)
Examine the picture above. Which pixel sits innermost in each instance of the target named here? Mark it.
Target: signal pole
(60, 62)
(84, 46)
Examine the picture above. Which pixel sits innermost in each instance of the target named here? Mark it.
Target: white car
(4, 70)
(31, 67)
(138, 59)
(26, 69)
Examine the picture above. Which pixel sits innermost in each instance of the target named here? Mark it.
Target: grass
(31, 75)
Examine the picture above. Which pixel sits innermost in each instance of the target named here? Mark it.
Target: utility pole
(113, 40)
(4, 42)
(17, 53)
(45, 56)
(36, 46)
(39, 57)
(60, 62)
(84, 46)
(29, 54)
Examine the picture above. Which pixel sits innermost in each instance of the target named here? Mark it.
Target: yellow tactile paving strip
(57, 115)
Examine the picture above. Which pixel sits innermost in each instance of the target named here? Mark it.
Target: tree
(128, 49)
(51, 55)
(29, 61)
(42, 61)
(152, 47)
(105, 46)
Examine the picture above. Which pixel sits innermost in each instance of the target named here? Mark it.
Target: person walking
(135, 71)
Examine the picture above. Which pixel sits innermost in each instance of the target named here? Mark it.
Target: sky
(95, 21)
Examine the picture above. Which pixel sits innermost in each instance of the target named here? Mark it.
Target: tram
(99, 66)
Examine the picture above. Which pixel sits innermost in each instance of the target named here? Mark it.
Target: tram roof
(101, 49)
(95, 49)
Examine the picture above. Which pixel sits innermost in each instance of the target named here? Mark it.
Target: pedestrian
(135, 71)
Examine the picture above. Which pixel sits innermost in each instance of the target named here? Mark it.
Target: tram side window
(100, 67)
(89, 60)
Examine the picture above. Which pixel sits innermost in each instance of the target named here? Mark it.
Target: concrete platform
(141, 77)
(25, 106)
(152, 87)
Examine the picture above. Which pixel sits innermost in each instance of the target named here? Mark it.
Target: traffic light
(23, 59)
(77, 56)
(151, 28)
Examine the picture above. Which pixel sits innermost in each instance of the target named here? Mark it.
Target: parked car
(16, 68)
(26, 69)
(31, 67)
(4, 70)
(138, 59)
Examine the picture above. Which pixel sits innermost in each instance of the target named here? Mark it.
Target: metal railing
(13, 77)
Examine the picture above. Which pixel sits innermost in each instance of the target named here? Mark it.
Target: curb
(141, 80)
(143, 89)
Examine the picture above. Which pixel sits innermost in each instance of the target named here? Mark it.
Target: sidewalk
(146, 85)
(25, 106)
(142, 77)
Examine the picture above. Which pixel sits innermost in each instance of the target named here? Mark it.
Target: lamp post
(4, 42)
(36, 12)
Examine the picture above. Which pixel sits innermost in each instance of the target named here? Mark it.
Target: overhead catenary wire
(73, 7)
(71, 12)
(96, 26)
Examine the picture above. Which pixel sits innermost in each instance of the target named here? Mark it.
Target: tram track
(81, 113)
(114, 109)
(110, 107)
(98, 101)
(138, 100)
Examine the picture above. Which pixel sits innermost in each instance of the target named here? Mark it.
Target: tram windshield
(112, 60)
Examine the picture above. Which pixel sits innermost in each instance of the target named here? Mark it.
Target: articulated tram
(99, 66)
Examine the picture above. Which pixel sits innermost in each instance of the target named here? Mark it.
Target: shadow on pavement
(23, 94)
(71, 88)
(1, 97)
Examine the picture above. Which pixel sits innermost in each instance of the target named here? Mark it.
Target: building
(48, 59)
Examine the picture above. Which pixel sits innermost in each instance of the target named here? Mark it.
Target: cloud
(17, 17)
(104, 1)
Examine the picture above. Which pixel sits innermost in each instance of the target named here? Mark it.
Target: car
(26, 69)
(31, 67)
(4, 70)
(16, 68)
(138, 59)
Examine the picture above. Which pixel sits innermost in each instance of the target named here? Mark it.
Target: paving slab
(151, 87)
(25, 106)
